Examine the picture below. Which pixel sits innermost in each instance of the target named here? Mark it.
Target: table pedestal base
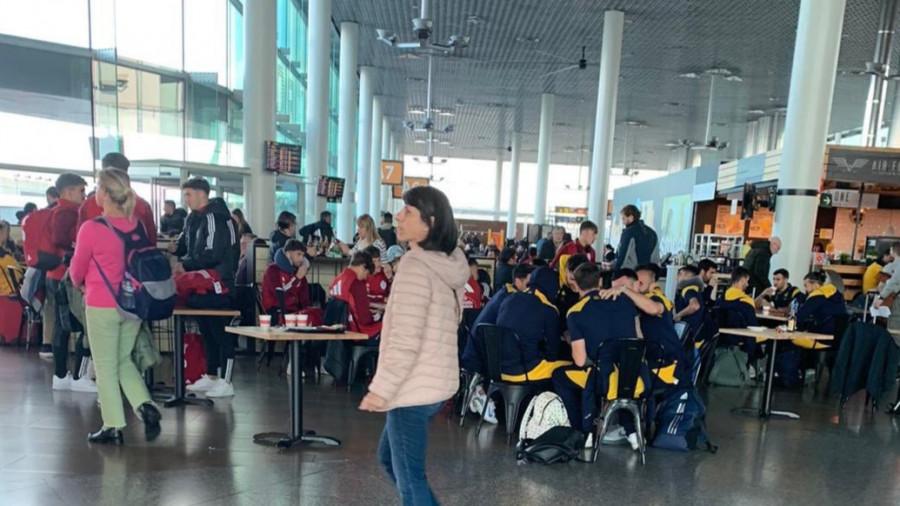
(187, 401)
(756, 413)
(284, 441)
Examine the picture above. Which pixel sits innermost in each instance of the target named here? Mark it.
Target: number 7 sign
(392, 172)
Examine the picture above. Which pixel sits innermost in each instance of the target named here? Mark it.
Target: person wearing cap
(392, 260)
(378, 283)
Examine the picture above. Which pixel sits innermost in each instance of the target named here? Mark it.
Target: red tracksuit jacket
(351, 290)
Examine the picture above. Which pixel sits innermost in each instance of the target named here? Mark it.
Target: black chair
(337, 312)
(683, 330)
(466, 383)
(514, 394)
(629, 363)
(825, 358)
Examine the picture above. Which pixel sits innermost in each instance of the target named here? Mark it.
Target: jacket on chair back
(209, 240)
(417, 363)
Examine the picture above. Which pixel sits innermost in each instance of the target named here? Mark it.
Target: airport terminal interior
(423, 252)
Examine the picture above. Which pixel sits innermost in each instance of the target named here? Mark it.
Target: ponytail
(117, 185)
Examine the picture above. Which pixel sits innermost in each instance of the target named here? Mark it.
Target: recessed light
(446, 113)
(416, 110)
(474, 19)
(529, 39)
(690, 75)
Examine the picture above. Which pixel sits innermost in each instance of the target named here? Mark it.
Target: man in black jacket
(171, 223)
(287, 227)
(318, 231)
(387, 231)
(758, 262)
(209, 242)
(638, 244)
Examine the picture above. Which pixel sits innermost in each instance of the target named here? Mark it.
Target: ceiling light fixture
(474, 19)
(690, 75)
(387, 37)
(420, 141)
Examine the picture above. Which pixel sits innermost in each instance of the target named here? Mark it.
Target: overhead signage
(866, 165)
(850, 198)
(392, 172)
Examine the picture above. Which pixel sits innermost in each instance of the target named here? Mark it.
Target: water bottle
(126, 299)
(792, 319)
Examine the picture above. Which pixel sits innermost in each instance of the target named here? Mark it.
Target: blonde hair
(117, 185)
(366, 221)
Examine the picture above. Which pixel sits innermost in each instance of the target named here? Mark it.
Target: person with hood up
(209, 241)
(758, 262)
(823, 305)
(533, 316)
(286, 228)
(638, 243)
(288, 276)
(418, 368)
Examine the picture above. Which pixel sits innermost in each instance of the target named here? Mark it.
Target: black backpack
(559, 444)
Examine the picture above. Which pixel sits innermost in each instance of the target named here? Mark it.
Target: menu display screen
(282, 158)
(332, 188)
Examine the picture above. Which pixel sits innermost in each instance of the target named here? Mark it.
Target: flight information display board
(282, 158)
(332, 188)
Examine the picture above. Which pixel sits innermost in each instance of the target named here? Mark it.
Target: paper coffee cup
(265, 320)
(291, 320)
(302, 320)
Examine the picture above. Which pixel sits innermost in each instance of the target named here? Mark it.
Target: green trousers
(112, 341)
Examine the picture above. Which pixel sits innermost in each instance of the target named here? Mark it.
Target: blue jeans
(401, 452)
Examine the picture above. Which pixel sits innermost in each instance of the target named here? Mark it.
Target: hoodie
(758, 262)
(281, 276)
(820, 310)
(417, 362)
(276, 240)
(209, 241)
(534, 318)
(687, 290)
(638, 245)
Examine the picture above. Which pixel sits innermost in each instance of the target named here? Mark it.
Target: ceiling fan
(581, 64)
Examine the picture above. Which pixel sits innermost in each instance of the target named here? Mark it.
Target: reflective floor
(206, 456)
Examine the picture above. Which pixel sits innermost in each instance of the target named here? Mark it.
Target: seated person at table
(568, 292)
(473, 296)
(350, 287)
(593, 321)
(664, 349)
(689, 305)
(587, 234)
(873, 275)
(378, 284)
(739, 312)
(534, 318)
(708, 271)
(781, 294)
(824, 304)
(287, 276)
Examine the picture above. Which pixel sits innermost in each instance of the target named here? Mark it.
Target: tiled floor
(205, 455)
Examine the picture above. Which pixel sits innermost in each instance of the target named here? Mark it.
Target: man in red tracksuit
(350, 287)
(587, 235)
(142, 211)
(378, 284)
(63, 228)
(288, 276)
(473, 295)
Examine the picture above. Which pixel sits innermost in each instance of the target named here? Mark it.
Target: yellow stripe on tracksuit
(580, 378)
(542, 371)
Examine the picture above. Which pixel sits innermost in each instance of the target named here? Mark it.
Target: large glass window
(151, 32)
(59, 21)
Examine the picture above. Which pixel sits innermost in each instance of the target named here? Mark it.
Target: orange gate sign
(392, 172)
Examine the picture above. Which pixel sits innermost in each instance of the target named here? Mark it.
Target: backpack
(542, 414)
(194, 357)
(729, 368)
(37, 240)
(681, 423)
(147, 291)
(787, 366)
(558, 444)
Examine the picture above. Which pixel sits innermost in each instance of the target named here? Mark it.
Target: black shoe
(151, 416)
(107, 437)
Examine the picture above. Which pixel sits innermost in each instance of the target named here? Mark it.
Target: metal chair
(461, 399)
(492, 339)
(629, 363)
(825, 358)
(338, 311)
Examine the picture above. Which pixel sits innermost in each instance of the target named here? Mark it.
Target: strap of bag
(109, 286)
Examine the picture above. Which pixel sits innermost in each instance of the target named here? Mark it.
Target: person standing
(286, 229)
(758, 262)
(142, 210)
(587, 234)
(100, 252)
(320, 231)
(209, 241)
(638, 244)
(418, 368)
(242, 226)
(387, 231)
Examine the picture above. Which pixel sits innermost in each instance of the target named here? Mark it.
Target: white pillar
(259, 110)
(809, 110)
(605, 121)
(513, 212)
(894, 135)
(543, 159)
(318, 55)
(375, 168)
(347, 97)
(392, 149)
(364, 143)
(762, 134)
(498, 185)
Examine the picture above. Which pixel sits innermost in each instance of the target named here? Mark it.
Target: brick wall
(877, 222)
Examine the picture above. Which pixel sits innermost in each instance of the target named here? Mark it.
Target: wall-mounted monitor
(282, 158)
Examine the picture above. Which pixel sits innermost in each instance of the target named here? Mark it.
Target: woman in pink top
(112, 336)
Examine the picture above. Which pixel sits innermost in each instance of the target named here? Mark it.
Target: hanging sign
(392, 172)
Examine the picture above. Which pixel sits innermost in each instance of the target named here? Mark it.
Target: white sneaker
(221, 389)
(633, 441)
(476, 405)
(751, 371)
(617, 435)
(84, 384)
(62, 383)
(589, 440)
(203, 384)
(490, 415)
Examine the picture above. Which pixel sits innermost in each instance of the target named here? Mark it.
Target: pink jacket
(417, 361)
(96, 242)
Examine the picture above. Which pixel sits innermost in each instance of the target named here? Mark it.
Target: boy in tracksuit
(740, 312)
(209, 241)
(823, 305)
(591, 322)
(664, 349)
(689, 301)
(534, 318)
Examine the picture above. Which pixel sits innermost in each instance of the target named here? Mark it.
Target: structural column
(543, 160)
(347, 93)
(513, 212)
(498, 185)
(809, 111)
(318, 57)
(894, 136)
(364, 142)
(605, 121)
(259, 109)
(375, 166)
